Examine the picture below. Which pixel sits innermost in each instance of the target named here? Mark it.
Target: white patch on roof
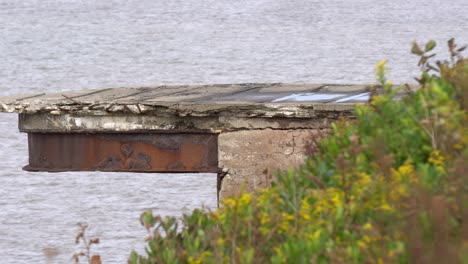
(357, 97)
(309, 97)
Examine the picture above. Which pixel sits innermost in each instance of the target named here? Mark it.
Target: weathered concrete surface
(67, 123)
(249, 158)
(237, 109)
(245, 100)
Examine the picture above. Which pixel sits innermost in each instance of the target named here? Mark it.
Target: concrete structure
(243, 132)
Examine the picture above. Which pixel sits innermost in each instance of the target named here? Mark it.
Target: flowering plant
(389, 186)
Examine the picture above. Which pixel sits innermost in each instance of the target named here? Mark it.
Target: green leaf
(430, 45)
(147, 219)
(133, 258)
(415, 49)
(339, 213)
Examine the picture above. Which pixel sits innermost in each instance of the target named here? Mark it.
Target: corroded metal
(135, 152)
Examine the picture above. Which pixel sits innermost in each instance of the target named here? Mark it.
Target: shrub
(389, 186)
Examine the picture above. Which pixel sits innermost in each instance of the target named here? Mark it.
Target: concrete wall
(249, 158)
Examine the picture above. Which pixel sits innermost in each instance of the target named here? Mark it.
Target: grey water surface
(57, 45)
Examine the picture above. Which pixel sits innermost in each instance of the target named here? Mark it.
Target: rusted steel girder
(135, 152)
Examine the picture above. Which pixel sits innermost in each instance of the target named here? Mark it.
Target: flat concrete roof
(246, 100)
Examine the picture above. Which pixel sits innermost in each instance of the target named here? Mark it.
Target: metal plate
(135, 152)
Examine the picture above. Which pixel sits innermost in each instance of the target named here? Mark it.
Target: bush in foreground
(390, 186)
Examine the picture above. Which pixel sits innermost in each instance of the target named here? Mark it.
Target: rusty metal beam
(134, 152)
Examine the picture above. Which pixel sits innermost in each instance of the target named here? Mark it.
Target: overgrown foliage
(388, 187)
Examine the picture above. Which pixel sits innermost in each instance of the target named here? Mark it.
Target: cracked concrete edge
(68, 123)
(241, 109)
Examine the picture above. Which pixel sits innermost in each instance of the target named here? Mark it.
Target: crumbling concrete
(249, 158)
(72, 123)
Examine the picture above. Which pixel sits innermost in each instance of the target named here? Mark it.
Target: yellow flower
(305, 216)
(404, 173)
(436, 158)
(364, 179)
(305, 204)
(192, 260)
(262, 198)
(405, 169)
(288, 217)
(380, 71)
(361, 244)
(283, 226)
(367, 226)
(441, 169)
(318, 208)
(265, 218)
(277, 250)
(381, 64)
(336, 196)
(316, 234)
(220, 241)
(245, 199)
(386, 207)
(229, 202)
(377, 100)
(305, 210)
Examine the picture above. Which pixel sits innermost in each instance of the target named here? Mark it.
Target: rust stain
(137, 152)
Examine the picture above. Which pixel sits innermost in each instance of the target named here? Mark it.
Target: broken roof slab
(212, 99)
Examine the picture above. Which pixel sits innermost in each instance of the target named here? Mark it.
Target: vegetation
(388, 187)
(86, 244)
